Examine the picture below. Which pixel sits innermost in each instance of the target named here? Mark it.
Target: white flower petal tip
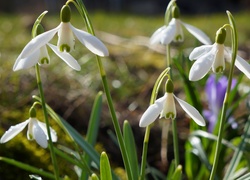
(200, 35)
(37, 42)
(52, 131)
(39, 135)
(152, 112)
(164, 34)
(66, 57)
(201, 67)
(91, 42)
(13, 131)
(192, 112)
(243, 66)
(150, 115)
(199, 51)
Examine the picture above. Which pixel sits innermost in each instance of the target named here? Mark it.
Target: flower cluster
(36, 50)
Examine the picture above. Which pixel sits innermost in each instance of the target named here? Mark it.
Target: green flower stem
(115, 120)
(51, 147)
(175, 141)
(83, 11)
(144, 153)
(225, 102)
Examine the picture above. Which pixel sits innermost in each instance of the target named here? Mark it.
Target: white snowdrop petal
(192, 112)
(66, 57)
(152, 112)
(178, 36)
(199, 51)
(38, 41)
(13, 131)
(52, 131)
(150, 115)
(201, 67)
(168, 34)
(200, 35)
(156, 37)
(27, 62)
(91, 42)
(39, 135)
(243, 66)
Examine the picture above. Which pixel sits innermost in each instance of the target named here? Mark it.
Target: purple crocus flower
(215, 91)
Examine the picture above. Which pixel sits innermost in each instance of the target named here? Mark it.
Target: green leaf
(239, 151)
(177, 173)
(93, 126)
(27, 167)
(94, 177)
(94, 122)
(131, 149)
(105, 167)
(246, 176)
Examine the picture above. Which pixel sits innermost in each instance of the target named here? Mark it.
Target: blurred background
(132, 68)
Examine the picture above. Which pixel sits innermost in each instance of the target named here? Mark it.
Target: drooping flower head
(36, 131)
(165, 107)
(31, 53)
(215, 91)
(213, 57)
(173, 31)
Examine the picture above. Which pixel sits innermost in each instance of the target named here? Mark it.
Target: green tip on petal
(170, 115)
(44, 61)
(221, 36)
(64, 47)
(169, 86)
(175, 12)
(219, 69)
(65, 14)
(32, 112)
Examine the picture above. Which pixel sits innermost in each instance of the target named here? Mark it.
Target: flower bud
(175, 12)
(32, 112)
(169, 86)
(38, 29)
(220, 36)
(65, 14)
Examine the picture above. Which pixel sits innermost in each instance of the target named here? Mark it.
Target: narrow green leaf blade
(27, 167)
(105, 167)
(131, 149)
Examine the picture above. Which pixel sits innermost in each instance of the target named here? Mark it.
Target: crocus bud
(220, 36)
(65, 14)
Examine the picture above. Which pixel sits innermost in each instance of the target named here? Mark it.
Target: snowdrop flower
(36, 131)
(165, 107)
(214, 56)
(35, 52)
(215, 91)
(173, 32)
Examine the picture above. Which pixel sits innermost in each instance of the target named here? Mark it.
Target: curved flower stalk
(36, 131)
(165, 107)
(35, 50)
(173, 31)
(215, 91)
(214, 56)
